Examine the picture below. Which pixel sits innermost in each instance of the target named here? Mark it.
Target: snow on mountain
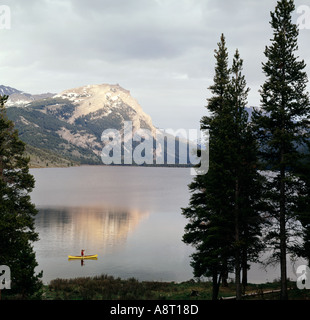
(5, 90)
(108, 98)
(20, 98)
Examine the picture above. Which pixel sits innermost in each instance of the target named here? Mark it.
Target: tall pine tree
(281, 126)
(209, 230)
(220, 207)
(242, 149)
(17, 231)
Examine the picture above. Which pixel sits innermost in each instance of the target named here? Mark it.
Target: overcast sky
(160, 50)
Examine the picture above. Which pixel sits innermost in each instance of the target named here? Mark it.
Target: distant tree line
(256, 196)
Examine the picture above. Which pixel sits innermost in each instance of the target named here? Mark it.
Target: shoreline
(106, 287)
(111, 166)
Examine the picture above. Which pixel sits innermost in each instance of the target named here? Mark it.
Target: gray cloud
(161, 50)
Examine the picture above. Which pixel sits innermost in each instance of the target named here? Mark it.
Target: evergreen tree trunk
(224, 274)
(216, 280)
(244, 270)
(237, 240)
(284, 295)
(283, 239)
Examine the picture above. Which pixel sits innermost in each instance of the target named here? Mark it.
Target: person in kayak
(82, 252)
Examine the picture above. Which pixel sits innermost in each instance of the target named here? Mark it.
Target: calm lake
(129, 216)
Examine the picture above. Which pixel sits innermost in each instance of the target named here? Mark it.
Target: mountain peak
(83, 93)
(107, 98)
(20, 98)
(6, 90)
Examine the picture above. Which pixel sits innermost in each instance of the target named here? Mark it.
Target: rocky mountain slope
(70, 124)
(102, 100)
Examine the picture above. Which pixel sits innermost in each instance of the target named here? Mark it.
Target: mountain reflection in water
(95, 229)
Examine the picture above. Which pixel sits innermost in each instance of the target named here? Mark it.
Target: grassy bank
(110, 288)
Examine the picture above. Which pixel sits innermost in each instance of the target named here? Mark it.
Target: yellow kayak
(93, 256)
